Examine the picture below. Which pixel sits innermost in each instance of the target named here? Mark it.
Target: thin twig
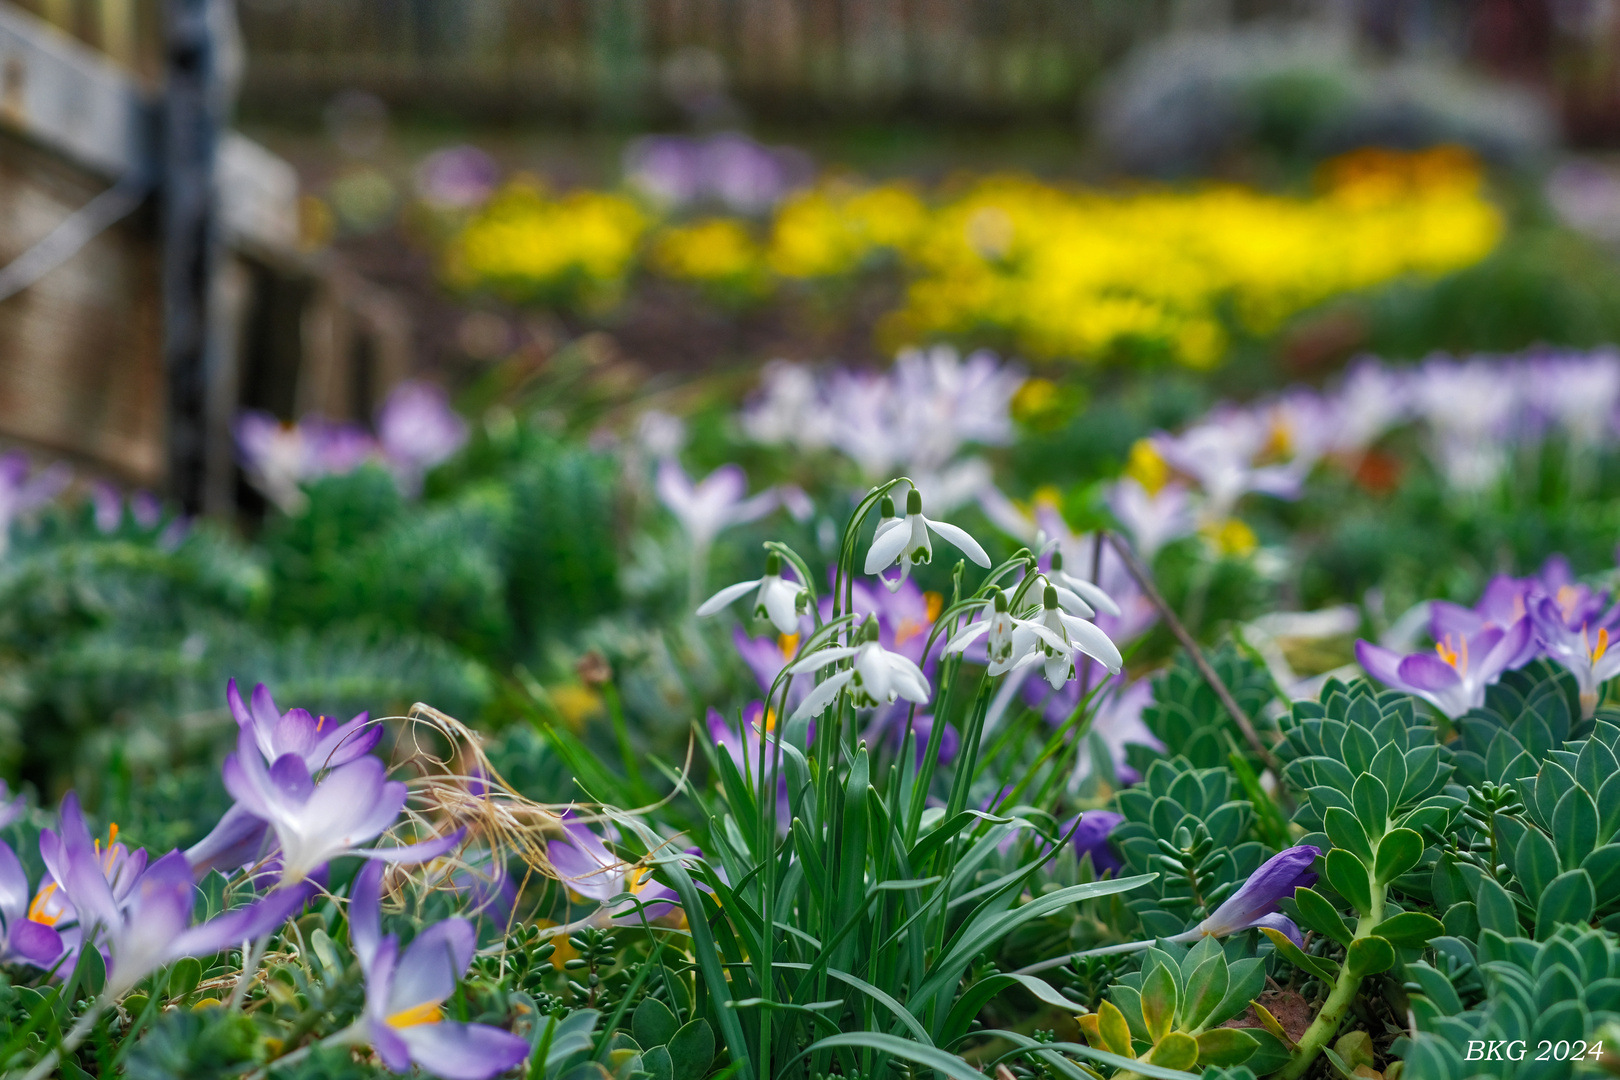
(1145, 582)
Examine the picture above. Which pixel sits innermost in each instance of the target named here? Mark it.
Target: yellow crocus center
(36, 910)
(770, 720)
(936, 604)
(426, 1013)
(788, 644)
(634, 881)
(1457, 657)
(320, 722)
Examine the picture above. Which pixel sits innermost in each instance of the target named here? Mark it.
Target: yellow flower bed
(1056, 271)
(526, 244)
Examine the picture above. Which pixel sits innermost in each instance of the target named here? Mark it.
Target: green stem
(1327, 1022)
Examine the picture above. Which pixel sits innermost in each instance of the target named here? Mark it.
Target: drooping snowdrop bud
(999, 625)
(907, 542)
(780, 600)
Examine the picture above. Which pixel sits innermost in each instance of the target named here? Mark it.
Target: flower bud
(913, 502)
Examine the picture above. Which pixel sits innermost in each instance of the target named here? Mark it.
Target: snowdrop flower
(908, 543)
(1453, 679)
(316, 823)
(1078, 596)
(404, 1019)
(1064, 638)
(1255, 902)
(777, 599)
(150, 924)
(877, 675)
(240, 836)
(999, 627)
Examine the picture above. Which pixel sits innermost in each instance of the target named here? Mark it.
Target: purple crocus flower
(53, 905)
(1255, 901)
(404, 1019)
(1091, 831)
(1453, 679)
(149, 925)
(713, 504)
(767, 656)
(417, 430)
(22, 494)
(587, 867)
(457, 177)
(315, 823)
(240, 836)
(24, 940)
(10, 809)
(1577, 635)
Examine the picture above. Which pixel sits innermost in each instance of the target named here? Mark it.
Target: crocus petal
(1381, 663)
(82, 875)
(291, 777)
(431, 966)
(958, 537)
(34, 942)
(1280, 922)
(1426, 674)
(1275, 879)
(239, 709)
(726, 597)
(885, 549)
(390, 1046)
(265, 716)
(13, 885)
(236, 841)
(458, 1051)
(422, 852)
(345, 743)
(1505, 651)
(243, 923)
(365, 913)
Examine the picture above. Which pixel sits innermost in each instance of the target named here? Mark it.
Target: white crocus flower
(1076, 595)
(777, 599)
(1055, 638)
(877, 675)
(908, 543)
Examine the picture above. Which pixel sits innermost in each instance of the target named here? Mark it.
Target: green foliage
(1187, 715)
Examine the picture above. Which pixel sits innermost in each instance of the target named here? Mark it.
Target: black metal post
(192, 109)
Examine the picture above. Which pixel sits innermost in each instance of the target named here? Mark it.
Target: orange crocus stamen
(1456, 657)
(788, 644)
(426, 1013)
(36, 910)
(1596, 652)
(320, 722)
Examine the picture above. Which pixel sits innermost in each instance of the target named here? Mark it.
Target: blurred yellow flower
(578, 247)
(715, 251)
(1147, 467)
(1231, 537)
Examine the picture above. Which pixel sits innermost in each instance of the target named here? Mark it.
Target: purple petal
(1453, 620)
(243, 923)
(291, 778)
(365, 913)
(425, 851)
(265, 715)
(458, 1051)
(239, 710)
(1283, 923)
(83, 878)
(1426, 674)
(390, 1046)
(1275, 879)
(13, 885)
(344, 744)
(294, 733)
(432, 965)
(1506, 650)
(1381, 663)
(237, 840)
(36, 943)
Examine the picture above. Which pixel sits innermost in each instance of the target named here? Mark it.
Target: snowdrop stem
(252, 957)
(76, 1035)
(1144, 581)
